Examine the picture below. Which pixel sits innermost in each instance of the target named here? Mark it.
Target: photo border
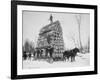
(14, 43)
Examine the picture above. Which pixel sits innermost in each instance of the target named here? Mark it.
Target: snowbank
(81, 61)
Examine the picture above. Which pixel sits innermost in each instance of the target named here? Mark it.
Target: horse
(70, 54)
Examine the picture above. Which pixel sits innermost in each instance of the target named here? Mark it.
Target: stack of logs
(52, 35)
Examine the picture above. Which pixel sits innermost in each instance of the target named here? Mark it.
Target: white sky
(33, 21)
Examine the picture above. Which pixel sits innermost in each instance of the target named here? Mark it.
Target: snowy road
(81, 61)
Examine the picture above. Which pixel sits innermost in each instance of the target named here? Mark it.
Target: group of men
(39, 53)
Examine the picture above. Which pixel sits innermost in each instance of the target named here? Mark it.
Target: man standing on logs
(51, 18)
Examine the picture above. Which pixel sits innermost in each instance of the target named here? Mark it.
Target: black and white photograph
(53, 39)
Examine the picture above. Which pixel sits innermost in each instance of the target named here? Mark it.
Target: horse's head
(75, 50)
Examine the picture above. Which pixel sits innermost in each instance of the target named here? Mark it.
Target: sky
(33, 21)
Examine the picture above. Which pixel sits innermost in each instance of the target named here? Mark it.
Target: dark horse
(71, 54)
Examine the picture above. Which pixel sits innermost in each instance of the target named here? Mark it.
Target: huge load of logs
(51, 36)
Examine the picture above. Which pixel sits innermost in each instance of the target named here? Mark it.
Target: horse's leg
(71, 59)
(50, 55)
(46, 53)
(37, 55)
(40, 55)
(74, 58)
(67, 58)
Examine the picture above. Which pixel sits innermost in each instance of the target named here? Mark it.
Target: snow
(81, 60)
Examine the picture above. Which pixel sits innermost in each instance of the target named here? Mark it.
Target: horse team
(70, 54)
(38, 53)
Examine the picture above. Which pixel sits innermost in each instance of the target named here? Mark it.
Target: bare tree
(72, 37)
(78, 18)
(32, 47)
(27, 46)
(88, 44)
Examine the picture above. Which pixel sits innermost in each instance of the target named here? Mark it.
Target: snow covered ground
(81, 61)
